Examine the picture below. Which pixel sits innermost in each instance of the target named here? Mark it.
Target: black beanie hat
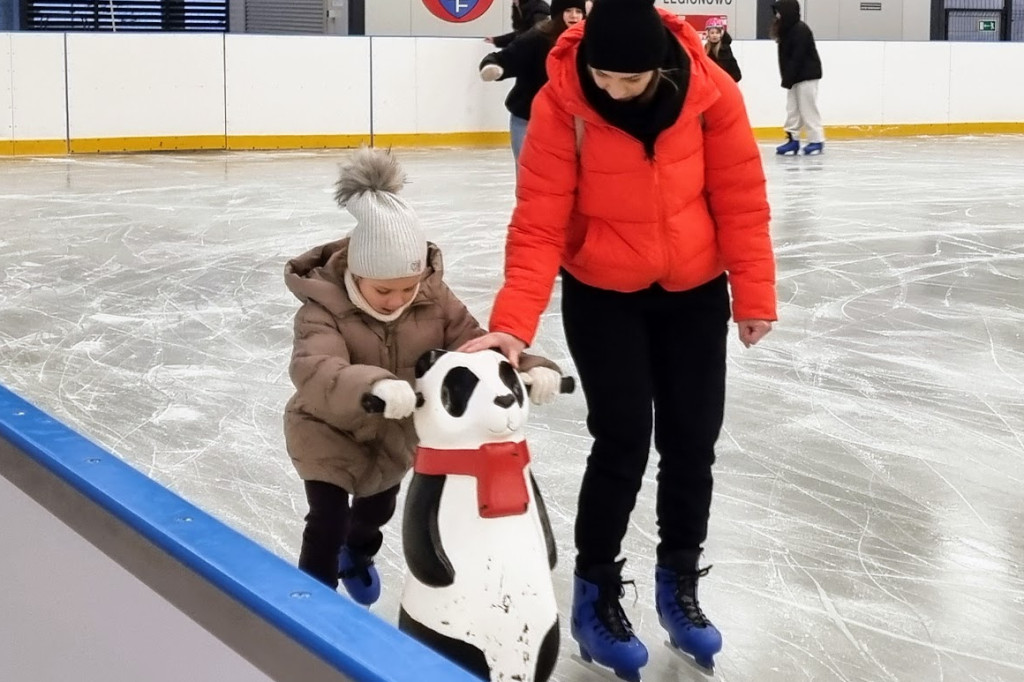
(559, 6)
(625, 36)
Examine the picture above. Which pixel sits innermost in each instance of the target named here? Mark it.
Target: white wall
(412, 18)
(145, 85)
(830, 19)
(986, 84)
(845, 20)
(431, 85)
(868, 83)
(910, 94)
(72, 613)
(32, 74)
(917, 20)
(37, 67)
(240, 86)
(6, 87)
(297, 85)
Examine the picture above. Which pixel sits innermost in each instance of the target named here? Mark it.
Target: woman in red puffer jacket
(641, 181)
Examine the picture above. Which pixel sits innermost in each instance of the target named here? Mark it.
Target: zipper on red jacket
(662, 226)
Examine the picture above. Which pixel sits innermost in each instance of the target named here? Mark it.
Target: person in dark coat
(719, 48)
(525, 15)
(800, 68)
(524, 59)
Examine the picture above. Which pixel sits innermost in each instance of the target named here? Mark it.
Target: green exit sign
(989, 25)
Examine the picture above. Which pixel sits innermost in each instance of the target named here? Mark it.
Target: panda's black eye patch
(456, 390)
(507, 374)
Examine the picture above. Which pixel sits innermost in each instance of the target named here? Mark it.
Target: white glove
(491, 72)
(398, 396)
(543, 384)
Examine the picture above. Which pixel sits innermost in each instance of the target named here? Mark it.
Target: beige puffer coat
(340, 352)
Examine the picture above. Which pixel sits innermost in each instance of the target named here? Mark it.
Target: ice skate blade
(690, 660)
(606, 673)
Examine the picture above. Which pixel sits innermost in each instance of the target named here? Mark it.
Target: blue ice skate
(790, 146)
(814, 148)
(359, 576)
(600, 626)
(679, 612)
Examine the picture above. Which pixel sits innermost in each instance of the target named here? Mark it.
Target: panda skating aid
(477, 541)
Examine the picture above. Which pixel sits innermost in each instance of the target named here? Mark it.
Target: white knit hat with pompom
(388, 241)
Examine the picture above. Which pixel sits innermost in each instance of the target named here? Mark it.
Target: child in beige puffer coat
(372, 304)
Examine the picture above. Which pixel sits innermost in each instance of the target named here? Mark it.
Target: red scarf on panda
(497, 468)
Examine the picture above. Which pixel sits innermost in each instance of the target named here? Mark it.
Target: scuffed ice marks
(155, 324)
(866, 523)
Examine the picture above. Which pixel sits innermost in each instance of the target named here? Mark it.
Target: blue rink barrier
(343, 635)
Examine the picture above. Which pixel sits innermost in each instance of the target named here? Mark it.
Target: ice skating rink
(868, 522)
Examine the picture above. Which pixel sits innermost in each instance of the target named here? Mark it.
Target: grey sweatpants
(802, 111)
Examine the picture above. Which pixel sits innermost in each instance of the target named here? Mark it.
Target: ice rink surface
(868, 521)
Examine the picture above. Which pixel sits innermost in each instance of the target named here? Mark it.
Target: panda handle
(372, 404)
(567, 385)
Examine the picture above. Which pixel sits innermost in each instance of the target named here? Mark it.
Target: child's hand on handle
(506, 344)
(543, 384)
(752, 331)
(398, 396)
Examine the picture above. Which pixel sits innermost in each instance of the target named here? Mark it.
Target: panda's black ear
(427, 361)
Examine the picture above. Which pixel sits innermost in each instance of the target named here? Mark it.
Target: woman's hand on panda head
(508, 345)
(544, 384)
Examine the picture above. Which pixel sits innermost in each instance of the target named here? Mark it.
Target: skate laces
(610, 613)
(686, 597)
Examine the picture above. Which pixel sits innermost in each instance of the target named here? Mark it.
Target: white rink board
(765, 98)
(145, 85)
(911, 94)
(986, 82)
(432, 85)
(6, 100)
(163, 86)
(843, 64)
(37, 77)
(297, 85)
(72, 613)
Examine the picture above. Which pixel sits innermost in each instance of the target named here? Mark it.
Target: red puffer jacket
(618, 220)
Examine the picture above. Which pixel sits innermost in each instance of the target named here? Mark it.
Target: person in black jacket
(800, 68)
(718, 47)
(525, 15)
(524, 59)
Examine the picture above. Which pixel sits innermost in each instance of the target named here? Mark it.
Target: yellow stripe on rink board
(480, 139)
(146, 144)
(296, 141)
(33, 147)
(474, 139)
(848, 132)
